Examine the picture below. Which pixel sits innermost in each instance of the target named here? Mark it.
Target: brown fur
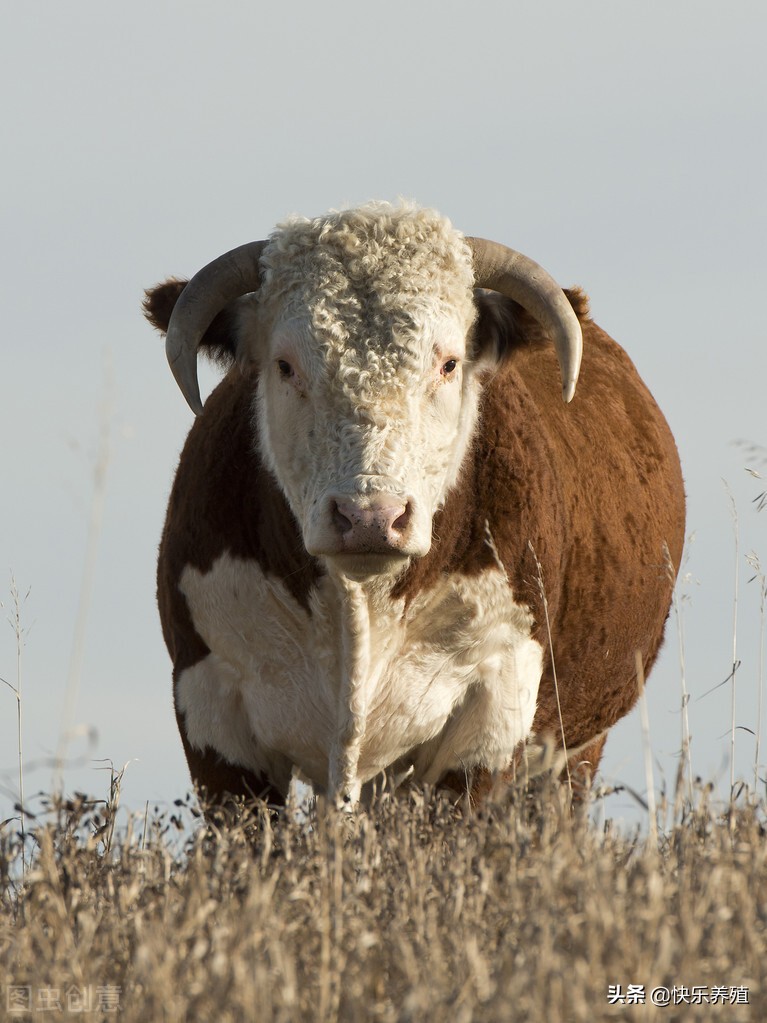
(219, 475)
(584, 504)
(594, 491)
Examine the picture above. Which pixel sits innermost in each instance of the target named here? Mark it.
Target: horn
(220, 282)
(520, 278)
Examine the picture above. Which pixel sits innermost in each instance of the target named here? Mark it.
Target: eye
(449, 367)
(285, 368)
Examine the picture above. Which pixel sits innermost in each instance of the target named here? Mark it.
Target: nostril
(340, 521)
(401, 522)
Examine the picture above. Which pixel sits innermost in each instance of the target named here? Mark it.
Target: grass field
(415, 910)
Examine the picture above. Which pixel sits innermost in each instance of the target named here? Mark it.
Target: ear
(502, 326)
(498, 328)
(219, 342)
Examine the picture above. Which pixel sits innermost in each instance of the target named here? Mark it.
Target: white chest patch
(360, 684)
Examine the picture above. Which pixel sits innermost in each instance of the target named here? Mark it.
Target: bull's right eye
(285, 368)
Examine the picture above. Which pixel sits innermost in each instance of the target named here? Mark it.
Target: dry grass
(413, 911)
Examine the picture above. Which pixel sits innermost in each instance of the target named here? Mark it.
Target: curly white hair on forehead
(363, 262)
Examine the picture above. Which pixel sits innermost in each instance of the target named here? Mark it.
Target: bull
(392, 550)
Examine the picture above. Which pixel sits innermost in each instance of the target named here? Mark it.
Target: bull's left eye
(449, 367)
(284, 367)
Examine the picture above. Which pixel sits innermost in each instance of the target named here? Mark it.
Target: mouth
(361, 567)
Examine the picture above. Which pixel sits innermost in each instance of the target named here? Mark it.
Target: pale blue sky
(622, 145)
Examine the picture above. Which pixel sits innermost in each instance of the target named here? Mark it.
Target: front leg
(218, 782)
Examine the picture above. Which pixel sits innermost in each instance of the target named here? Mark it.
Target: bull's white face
(364, 418)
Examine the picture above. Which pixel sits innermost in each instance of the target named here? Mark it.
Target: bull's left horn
(520, 278)
(228, 277)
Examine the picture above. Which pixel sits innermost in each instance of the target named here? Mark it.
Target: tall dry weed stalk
(759, 576)
(95, 522)
(652, 813)
(21, 632)
(761, 579)
(735, 661)
(545, 602)
(684, 774)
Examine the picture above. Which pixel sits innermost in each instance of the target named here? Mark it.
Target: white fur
(360, 684)
(365, 307)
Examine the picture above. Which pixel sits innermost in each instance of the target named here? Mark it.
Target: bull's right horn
(226, 278)
(520, 278)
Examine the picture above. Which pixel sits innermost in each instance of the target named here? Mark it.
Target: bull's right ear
(160, 301)
(501, 326)
(219, 342)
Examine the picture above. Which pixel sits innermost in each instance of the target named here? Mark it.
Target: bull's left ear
(502, 326)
